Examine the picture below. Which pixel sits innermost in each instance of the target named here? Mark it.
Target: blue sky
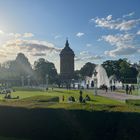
(97, 30)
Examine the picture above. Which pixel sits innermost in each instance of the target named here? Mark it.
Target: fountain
(102, 78)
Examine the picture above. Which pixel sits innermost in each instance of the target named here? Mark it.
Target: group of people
(81, 99)
(129, 89)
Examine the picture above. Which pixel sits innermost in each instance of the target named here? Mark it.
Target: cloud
(109, 17)
(38, 54)
(2, 55)
(127, 25)
(84, 53)
(57, 36)
(117, 24)
(31, 48)
(88, 45)
(80, 34)
(86, 56)
(31, 45)
(14, 43)
(123, 44)
(129, 15)
(26, 35)
(17, 35)
(118, 39)
(122, 51)
(138, 33)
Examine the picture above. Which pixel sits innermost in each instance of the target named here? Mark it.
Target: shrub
(133, 102)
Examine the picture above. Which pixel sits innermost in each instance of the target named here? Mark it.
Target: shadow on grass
(41, 124)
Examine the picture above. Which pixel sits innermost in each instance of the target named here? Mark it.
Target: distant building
(67, 63)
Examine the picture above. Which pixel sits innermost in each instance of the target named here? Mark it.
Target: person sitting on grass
(87, 98)
(8, 96)
(71, 99)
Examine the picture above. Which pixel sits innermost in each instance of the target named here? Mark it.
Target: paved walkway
(117, 95)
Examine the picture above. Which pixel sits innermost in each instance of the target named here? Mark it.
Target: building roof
(67, 49)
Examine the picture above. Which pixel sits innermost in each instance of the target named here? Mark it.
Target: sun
(1, 32)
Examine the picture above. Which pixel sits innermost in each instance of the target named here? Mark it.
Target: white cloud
(87, 56)
(14, 43)
(17, 35)
(118, 24)
(127, 25)
(118, 39)
(138, 33)
(26, 35)
(84, 53)
(57, 36)
(30, 45)
(38, 54)
(122, 51)
(88, 45)
(129, 15)
(80, 34)
(109, 17)
(123, 44)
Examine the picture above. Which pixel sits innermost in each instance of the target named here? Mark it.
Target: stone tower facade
(67, 63)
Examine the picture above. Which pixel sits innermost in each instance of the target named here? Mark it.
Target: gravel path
(117, 95)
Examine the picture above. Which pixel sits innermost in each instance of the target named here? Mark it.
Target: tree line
(42, 70)
(13, 70)
(122, 69)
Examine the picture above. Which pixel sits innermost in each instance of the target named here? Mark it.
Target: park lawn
(33, 117)
(31, 99)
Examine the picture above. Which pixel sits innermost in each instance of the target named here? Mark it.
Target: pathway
(117, 95)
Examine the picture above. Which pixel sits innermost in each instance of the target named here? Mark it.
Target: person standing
(126, 89)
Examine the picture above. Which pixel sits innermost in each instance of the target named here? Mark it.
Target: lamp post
(73, 84)
(22, 81)
(28, 80)
(95, 82)
(79, 81)
(138, 83)
(47, 80)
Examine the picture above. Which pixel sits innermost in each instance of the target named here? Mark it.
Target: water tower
(67, 63)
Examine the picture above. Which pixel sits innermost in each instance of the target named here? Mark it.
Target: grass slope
(40, 124)
(101, 118)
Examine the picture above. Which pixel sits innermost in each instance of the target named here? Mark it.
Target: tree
(127, 72)
(22, 65)
(122, 69)
(87, 69)
(11, 71)
(112, 67)
(43, 68)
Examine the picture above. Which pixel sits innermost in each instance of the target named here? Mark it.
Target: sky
(97, 30)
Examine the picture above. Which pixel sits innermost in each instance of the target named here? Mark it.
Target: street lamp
(22, 81)
(47, 80)
(138, 83)
(28, 80)
(95, 82)
(79, 81)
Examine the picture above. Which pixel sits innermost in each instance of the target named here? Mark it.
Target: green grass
(32, 116)
(38, 99)
(133, 102)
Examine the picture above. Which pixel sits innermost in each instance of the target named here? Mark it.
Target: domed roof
(67, 49)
